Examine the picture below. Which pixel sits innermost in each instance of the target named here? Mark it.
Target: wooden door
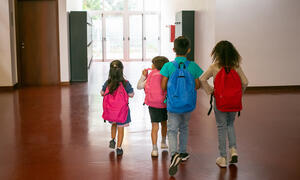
(38, 54)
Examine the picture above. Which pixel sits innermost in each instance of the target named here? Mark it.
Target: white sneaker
(221, 161)
(154, 153)
(233, 155)
(164, 145)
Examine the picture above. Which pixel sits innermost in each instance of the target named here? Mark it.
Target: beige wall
(204, 27)
(63, 41)
(5, 46)
(266, 33)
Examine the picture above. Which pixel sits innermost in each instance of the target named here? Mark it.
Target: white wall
(204, 27)
(64, 41)
(266, 33)
(205, 33)
(5, 46)
(13, 40)
(74, 5)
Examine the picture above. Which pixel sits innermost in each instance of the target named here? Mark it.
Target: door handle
(22, 45)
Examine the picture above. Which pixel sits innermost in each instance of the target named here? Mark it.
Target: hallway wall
(64, 41)
(266, 33)
(204, 26)
(5, 45)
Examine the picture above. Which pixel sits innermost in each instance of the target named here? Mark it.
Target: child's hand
(145, 72)
(102, 93)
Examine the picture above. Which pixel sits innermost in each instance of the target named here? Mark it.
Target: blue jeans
(178, 123)
(225, 125)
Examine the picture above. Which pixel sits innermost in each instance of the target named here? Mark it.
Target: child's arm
(164, 82)
(203, 79)
(129, 89)
(243, 77)
(131, 95)
(142, 81)
(102, 92)
(197, 83)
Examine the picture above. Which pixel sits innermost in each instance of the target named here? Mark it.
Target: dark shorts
(158, 114)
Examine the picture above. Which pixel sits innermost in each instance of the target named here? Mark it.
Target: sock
(163, 139)
(155, 147)
(113, 139)
(119, 147)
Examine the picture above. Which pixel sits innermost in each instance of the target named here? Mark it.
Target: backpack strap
(185, 64)
(175, 63)
(211, 105)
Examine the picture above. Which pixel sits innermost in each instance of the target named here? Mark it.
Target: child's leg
(184, 131)
(155, 127)
(113, 131)
(230, 130)
(120, 136)
(164, 131)
(173, 124)
(221, 120)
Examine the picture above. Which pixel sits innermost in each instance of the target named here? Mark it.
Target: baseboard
(6, 88)
(9, 88)
(64, 83)
(273, 89)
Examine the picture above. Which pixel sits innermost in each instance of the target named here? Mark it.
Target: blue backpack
(181, 92)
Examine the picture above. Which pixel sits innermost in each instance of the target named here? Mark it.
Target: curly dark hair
(226, 55)
(159, 61)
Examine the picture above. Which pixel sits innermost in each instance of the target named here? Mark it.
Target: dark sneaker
(112, 144)
(119, 151)
(175, 161)
(184, 156)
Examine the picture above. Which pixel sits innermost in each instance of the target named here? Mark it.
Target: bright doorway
(128, 30)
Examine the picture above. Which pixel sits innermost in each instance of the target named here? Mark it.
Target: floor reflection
(58, 133)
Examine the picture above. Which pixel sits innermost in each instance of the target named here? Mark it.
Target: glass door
(151, 36)
(135, 39)
(97, 36)
(113, 37)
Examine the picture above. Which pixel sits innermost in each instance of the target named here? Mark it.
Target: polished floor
(57, 133)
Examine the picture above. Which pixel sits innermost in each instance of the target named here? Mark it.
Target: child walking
(229, 84)
(181, 80)
(116, 91)
(155, 97)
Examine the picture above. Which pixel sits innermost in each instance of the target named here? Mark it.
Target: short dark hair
(181, 45)
(159, 61)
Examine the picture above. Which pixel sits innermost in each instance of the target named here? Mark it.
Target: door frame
(19, 68)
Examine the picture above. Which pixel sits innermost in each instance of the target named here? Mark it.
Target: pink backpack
(115, 106)
(155, 96)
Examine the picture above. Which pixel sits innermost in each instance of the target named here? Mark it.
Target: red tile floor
(57, 133)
